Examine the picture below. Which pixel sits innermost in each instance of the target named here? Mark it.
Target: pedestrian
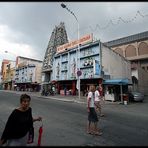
(53, 90)
(102, 98)
(92, 116)
(43, 91)
(98, 102)
(65, 90)
(19, 123)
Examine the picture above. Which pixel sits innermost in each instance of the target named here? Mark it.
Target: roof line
(128, 39)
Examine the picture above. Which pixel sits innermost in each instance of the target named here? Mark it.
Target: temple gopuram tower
(58, 37)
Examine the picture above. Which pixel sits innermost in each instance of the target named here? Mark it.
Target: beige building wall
(142, 80)
(137, 53)
(38, 75)
(115, 64)
(4, 68)
(134, 51)
(8, 73)
(4, 74)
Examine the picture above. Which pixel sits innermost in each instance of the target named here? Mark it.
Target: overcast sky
(26, 27)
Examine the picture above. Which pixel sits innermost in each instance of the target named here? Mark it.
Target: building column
(123, 49)
(58, 88)
(137, 48)
(73, 88)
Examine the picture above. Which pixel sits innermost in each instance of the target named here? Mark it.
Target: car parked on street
(135, 96)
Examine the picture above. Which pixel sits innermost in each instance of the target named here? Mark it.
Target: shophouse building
(28, 74)
(3, 71)
(1, 86)
(97, 63)
(8, 73)
(135, 49)
(3, 68)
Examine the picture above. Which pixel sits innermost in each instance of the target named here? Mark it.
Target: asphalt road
(64, 123)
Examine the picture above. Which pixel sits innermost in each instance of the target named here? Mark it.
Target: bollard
(125, 99)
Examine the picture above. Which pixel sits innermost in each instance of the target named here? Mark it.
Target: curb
(46, 97)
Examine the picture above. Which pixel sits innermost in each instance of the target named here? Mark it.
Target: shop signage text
(85, 39)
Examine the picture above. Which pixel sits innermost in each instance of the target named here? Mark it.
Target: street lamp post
(78, 57)
(10, 53)
(13, 55)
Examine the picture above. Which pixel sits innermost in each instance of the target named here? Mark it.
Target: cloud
(8, 42)
(26, 27)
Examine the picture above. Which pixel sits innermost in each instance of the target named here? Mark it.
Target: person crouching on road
(92, 116)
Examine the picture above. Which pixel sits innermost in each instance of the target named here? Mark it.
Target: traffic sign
(79, 73)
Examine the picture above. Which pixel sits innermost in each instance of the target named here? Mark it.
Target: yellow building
(8, 74)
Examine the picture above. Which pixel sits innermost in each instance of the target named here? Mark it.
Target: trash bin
(125, 99)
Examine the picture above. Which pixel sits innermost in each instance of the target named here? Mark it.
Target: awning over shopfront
(117, 82)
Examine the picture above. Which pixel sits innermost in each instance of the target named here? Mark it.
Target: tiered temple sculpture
(58, 37)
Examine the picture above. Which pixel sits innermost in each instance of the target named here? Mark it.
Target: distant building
(1, 86)
(0, 77)
(97, 64)
(28, 74)
(8, 73)
(3, 69)
(135, 49)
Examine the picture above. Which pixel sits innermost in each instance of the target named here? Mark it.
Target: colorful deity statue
(58, 70)
(73, 66)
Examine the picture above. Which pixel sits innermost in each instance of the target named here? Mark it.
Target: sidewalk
(68, 98)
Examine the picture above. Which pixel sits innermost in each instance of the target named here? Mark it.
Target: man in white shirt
(98, 102)
(92, 116)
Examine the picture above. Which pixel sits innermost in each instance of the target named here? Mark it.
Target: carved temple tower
(58, 37)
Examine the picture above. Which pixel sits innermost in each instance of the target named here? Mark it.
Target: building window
(143, 48)
(130, 51)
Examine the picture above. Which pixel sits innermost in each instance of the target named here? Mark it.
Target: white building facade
(96, 62)
(28, 74)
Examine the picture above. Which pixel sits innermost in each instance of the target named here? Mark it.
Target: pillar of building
(58, 88)
(73, 88)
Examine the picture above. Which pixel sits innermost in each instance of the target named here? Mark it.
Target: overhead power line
(120, 19)
(114, 23)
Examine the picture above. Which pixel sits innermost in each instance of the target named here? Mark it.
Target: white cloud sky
(26, 27)
(8, 42)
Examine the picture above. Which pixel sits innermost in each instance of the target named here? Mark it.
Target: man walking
(92, 116)
(98, 102)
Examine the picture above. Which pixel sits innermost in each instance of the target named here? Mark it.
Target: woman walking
(19, 123)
